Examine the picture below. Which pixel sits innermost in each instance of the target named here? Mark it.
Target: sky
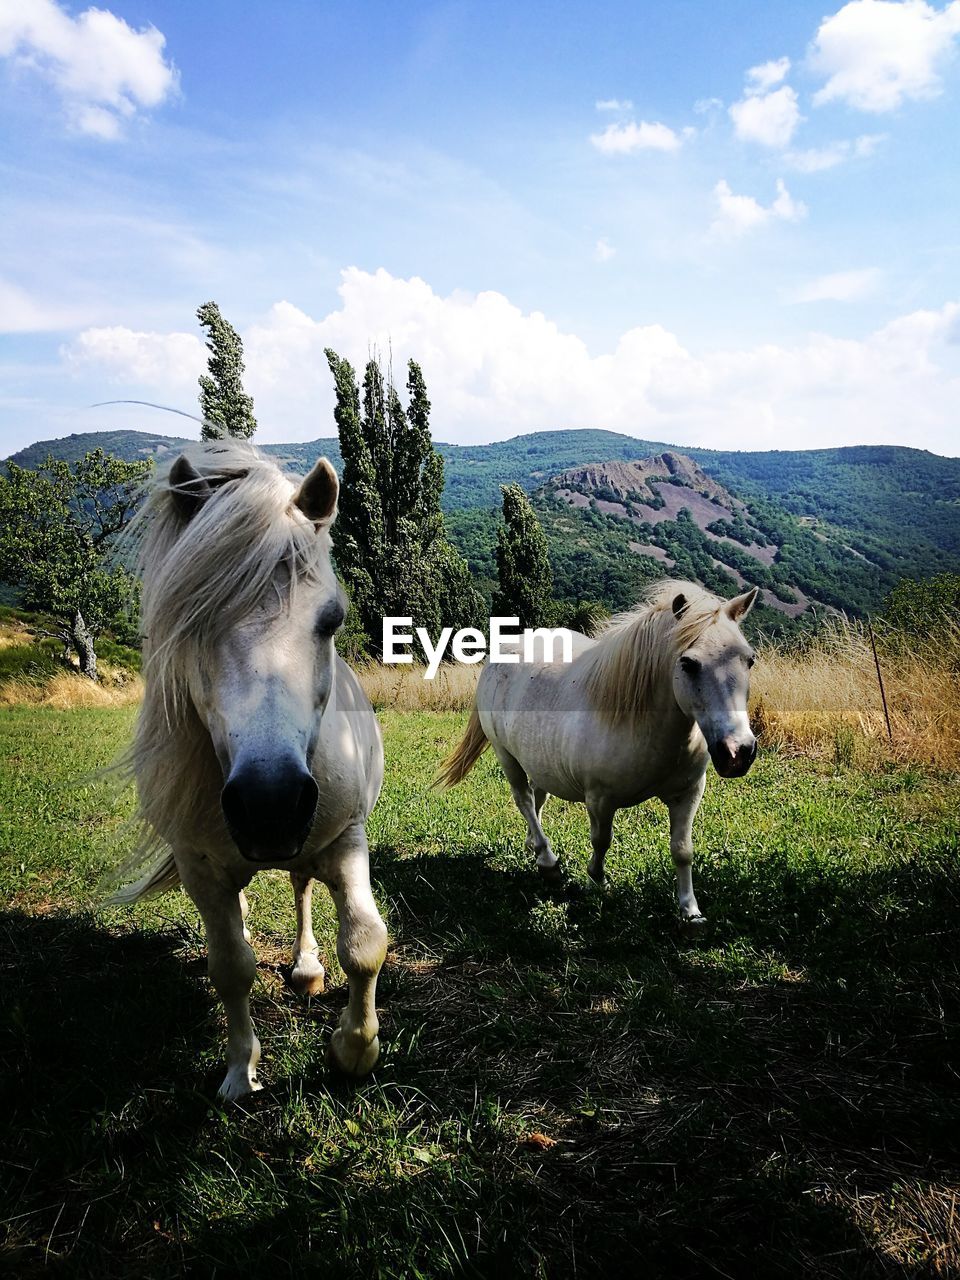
(724, 223)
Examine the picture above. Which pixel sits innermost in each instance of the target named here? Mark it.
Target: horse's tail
(459, 763)
(158, 878)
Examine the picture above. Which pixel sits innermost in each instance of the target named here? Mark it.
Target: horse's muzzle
(732, 759)
(269, 807)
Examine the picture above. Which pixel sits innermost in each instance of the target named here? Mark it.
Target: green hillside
(893, 501)
(474, 472)
(847, 523)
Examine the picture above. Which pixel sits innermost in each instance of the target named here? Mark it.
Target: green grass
(568, 1086)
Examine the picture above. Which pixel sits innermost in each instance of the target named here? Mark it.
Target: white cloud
(769, 118)
(103, 70)
(818, 159)
(785, 206)
(172, 361)
(624, 139)
(739, 214)
(839, 286)
(764, 77)
(875, 54)
(20, 312)
(603, 250)
(614, 104)
(495, 371)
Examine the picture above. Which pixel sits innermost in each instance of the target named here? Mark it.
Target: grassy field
(569, 1087)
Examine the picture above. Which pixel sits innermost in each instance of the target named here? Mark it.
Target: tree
(523, 565)
(586, 616)
(926, 611)
(226, 407)
(390, 539)
(57, 524)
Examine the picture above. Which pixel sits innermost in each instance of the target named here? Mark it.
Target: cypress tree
(389, 538)
(523, 566)
(227, 409)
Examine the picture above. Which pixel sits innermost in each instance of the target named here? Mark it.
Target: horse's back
(533, 710)
(544, 716)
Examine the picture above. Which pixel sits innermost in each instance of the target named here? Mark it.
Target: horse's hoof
(308, 983)
(552, 876)
(352, 1059)
(237, 1085)
(600, 884)
(693, 924)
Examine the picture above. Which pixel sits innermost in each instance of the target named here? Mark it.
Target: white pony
(255, 746)
(636, 714)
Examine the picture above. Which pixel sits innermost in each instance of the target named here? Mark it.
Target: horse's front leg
(231, 964)
(307, 976)
(682, 813)
(361, 950)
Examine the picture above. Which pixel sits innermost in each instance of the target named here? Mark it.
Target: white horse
(636, 714)
(255, 745)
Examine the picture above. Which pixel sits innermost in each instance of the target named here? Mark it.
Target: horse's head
(261, 681)
(711, 682)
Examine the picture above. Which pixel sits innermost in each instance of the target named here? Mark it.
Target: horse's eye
(330, 619)
(690, 665)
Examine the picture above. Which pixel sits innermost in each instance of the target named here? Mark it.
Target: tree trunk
(83, 643)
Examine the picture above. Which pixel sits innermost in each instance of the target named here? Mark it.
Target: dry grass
(914, 1225)
(820, 700)
(67, 690)
(826, 698)
(403, 688)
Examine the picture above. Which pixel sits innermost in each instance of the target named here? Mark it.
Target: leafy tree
(227, 409)
(389, 539)
(57, 524)
(585, 616)
(525, 581)
(927, 610)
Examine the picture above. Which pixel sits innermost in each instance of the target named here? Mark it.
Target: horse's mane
(202, 574)
(246, 546)
(637, 649)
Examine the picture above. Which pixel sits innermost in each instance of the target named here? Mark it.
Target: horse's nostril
(307, 802)
(269, 807)
(231, 800)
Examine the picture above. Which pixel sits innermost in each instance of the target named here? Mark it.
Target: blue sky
(724, 223)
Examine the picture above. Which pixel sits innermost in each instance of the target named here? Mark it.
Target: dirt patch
(791, 610)
(573, 499)
(766, 555)
(647, 549)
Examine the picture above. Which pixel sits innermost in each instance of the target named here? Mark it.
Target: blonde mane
(246, 546)
(205, 573)
(637, 650)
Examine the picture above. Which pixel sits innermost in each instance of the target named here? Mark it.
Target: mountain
(134, 446)
(837, 527)
(685, 521)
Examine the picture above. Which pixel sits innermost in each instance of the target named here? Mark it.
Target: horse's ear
(188, 487)
(679, 605)
(740, 606)
(317, 496)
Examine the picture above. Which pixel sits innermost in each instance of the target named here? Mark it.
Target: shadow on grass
(568, 1088)
(763, 1095)
(95, 1027)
